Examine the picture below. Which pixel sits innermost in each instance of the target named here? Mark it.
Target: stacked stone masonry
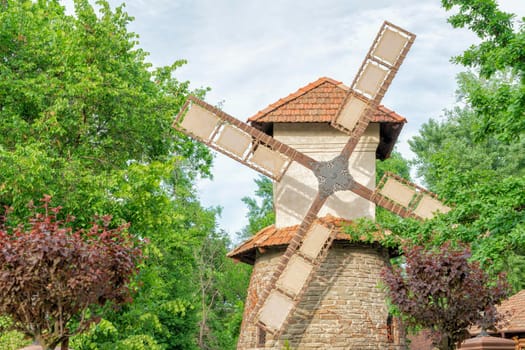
(343, 307)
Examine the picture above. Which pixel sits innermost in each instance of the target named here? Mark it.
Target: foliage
(474, 157)
(10, 339)
(395, 164)
(223, 285)
(77, 103)
(501, 108)
(488, 217)
(449, 157)
(483, 179)
(50, 275)
(261, 212)
(86, 119)
(442, 291)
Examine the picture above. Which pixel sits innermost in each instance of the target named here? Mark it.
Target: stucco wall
(294, 193)
(343, 308)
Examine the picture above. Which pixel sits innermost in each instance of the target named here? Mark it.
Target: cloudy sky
(253, 52)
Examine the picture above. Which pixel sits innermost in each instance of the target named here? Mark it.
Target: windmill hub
(333, 175)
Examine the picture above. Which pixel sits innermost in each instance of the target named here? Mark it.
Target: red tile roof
(316, 102)
(420, 341)
(319, 102)
(273, 237)
(513, 311)
(515, 307)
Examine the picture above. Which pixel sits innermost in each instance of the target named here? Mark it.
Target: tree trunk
(446, 344)
(40, 341)
(65, 344)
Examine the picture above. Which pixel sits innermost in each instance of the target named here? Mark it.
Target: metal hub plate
(333, 176)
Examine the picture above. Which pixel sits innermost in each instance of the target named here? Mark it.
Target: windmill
(263, 153)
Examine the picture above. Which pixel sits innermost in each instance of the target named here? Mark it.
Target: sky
(253, 52)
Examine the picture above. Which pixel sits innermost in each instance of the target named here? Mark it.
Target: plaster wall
(298, 187)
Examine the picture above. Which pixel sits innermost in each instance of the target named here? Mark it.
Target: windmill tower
(310, 286)
(343, 306)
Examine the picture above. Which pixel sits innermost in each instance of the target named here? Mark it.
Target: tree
(85, 118)
(449, 156)
(261, 212)
(395, 164)
(501, 109)
(79, 104)
(442, 291)
(222, 286)
(51, 275)
(483, 180)
(473, 157)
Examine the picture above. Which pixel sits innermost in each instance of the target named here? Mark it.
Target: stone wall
(343, 308)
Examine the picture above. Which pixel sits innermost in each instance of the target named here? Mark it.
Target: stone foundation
(343, 307)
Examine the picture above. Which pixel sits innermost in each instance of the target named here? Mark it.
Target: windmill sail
(373, 78)
(295, 277)
(394, 191)
(369, 86)
(236, 139)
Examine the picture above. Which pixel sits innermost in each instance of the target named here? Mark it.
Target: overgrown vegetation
(473, 157)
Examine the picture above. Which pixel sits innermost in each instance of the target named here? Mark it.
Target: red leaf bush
(51, 275)
(445, 292)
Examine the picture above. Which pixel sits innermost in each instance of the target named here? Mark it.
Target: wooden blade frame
(373, 78)
(237, 140)
(309, 246)
(407, 199)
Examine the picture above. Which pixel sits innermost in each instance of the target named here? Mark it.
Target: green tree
(449, 156)
(261, 212)
(222, 286)
(473, 157)
(483, 180)
(395, 164)
(85, 118)
(501, 108)
(78, 103)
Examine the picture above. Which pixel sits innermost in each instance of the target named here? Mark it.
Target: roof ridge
(294, 95)
(391, 113)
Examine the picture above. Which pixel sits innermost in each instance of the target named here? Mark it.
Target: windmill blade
(296, 267)
(310, 244)
(237, 140)
(283, 299)
(373, 78)
(381, 200)
(407, 199)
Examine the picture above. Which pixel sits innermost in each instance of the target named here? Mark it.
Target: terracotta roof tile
(273, 237)
(513, 310)
(317, 102)
(515, 306)
(420, 341)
